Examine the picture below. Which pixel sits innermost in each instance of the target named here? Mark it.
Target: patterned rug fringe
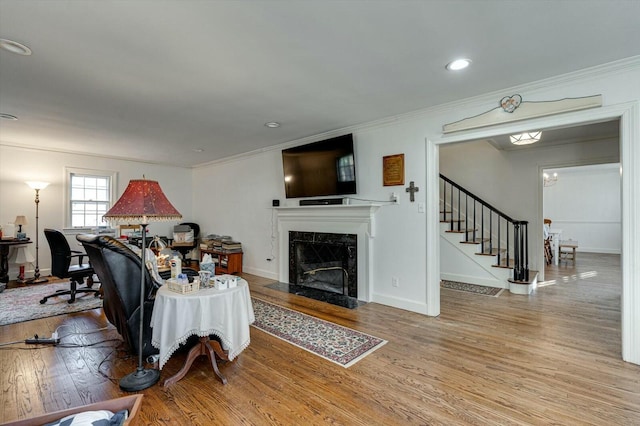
(341, 345)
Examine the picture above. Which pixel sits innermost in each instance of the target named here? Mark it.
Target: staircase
(480, 244)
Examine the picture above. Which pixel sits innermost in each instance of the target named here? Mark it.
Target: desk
(556, 235)
(226, 314)
(4, 256)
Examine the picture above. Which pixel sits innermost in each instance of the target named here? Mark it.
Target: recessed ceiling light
(8, 116)
(458, 64)
(272, 124)
(14, 47)
(197, 150)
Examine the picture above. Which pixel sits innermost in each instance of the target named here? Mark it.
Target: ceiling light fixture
(272, 124)
(550, 180)
(458, 64)
(525, 138)
(8, 116)
(14, 47)
(197, 150)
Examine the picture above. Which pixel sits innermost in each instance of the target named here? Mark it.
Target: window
(346, 169)
(89, 196)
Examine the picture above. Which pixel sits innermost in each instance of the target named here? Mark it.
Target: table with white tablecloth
(225, 314)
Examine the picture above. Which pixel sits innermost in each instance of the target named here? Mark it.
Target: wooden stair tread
(503, 264)
(476, 241)
(491, 252)
(462, 231)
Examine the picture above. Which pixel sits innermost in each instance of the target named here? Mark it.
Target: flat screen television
(322, 168)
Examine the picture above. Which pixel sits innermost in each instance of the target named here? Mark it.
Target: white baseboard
(260, 272)
(598, 250)
(400, 303)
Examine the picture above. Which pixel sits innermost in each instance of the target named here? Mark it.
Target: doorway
(629, 158)
(584, 205)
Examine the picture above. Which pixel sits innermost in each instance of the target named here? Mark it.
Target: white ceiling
(155, 79)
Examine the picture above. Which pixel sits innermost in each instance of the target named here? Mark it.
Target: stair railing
(456, 198)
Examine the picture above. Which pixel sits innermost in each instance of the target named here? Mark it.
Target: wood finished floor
(551, 358)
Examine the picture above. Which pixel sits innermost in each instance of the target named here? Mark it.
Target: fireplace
(324, 261)
(351, 219)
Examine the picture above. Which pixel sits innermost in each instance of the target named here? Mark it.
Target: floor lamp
(142, 202)
(36, 276)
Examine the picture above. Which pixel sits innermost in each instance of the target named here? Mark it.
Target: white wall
(18, 165)
(240, 189)
(585, 204)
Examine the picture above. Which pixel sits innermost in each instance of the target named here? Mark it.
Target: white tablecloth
(223, 313)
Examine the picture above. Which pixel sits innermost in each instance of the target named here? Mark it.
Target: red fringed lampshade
(143, 201)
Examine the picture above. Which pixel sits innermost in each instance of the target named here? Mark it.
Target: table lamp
(21, 220)
(142, 202)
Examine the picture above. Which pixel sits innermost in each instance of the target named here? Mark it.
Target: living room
(232, 194)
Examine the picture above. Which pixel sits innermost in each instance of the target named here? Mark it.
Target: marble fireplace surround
(358, 219)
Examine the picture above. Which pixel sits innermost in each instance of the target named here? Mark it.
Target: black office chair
(186, 247)
(61, 267)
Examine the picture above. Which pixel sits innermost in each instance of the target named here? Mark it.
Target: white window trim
(68, 171)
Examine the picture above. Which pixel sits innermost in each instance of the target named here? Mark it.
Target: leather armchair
(118, 269)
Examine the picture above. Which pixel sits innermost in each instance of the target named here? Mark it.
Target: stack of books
(214, 242)
(231, 246)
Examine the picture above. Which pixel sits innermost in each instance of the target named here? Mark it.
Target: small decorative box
(220, 283)
(223, 282)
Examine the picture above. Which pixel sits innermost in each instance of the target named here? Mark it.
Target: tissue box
(211, 267)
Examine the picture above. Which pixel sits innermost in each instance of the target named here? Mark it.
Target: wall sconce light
(525, 138)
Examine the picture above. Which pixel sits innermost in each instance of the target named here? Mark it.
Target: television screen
(320, 168)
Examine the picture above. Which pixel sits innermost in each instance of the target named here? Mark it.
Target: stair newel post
(490, 231)
(466, 216)
(451, 204)
(517, 273)
(482, 228)
(507, 255)
(526, 249)
(473, 225)
(499, 240)
(444, 200)
(459, 212)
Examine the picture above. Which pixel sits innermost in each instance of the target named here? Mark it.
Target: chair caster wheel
(43, 301)
(70, 301)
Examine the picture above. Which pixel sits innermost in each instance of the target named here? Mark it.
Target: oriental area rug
(471, 288)
(330, 341)
(23, 303)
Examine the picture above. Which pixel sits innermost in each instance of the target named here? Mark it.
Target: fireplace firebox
(324, 261)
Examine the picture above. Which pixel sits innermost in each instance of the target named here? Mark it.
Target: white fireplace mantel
(358, 219)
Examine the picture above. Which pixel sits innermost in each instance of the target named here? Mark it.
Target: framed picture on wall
(393, 170)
